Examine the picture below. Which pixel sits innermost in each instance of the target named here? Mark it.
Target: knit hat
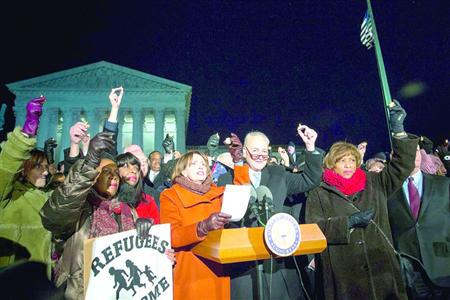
(426, 144)
(381, 156)
(291, 144)
(430, 163)
(137, 151)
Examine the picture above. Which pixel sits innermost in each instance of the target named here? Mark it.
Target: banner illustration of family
(123, 266)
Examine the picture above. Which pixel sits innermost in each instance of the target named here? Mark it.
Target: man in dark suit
(419, 215)
(296, 159)
(284, 276)
(155, 181)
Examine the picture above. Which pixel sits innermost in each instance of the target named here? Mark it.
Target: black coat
(428, 238)
(360, 263)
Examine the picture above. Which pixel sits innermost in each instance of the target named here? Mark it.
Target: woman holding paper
(192, 207)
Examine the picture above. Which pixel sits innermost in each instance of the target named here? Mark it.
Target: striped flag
(366, 35)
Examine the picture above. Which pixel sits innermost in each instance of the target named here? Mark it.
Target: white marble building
(151, 106)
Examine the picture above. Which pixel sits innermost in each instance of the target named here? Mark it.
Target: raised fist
(78, 132)
(100, 143)
(49, 146)
(34, 112)
(168, 144)
(235, 147)
(213, 144)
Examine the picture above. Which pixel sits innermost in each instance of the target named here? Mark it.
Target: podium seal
(282, 234)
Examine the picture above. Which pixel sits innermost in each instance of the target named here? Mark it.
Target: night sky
(263, 65)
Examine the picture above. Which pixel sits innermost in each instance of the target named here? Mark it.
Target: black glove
(49, 145)
(360, 219)
(397, 116)
(101, 142)
(168, 144)
(213, 222)
(213, 144)
(143, 226)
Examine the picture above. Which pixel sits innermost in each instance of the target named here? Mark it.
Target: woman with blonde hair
(350, 207)
(192, 207)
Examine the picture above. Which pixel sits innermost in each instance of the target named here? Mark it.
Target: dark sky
(264, 65)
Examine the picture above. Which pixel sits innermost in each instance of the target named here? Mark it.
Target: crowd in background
(386, 218)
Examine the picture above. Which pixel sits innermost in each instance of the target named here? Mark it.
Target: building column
(42, 135)
(158, 115)
(138, 126)
(71, 115)
(53, 119)
(92, 117)
(180, 119)
(120, 122)
(52, 130)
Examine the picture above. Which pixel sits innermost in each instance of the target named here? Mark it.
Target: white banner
(122, 266)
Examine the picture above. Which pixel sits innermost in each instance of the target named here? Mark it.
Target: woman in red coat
(131, 190)
(192, 207)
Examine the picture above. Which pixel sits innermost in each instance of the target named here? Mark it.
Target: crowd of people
(386, 219)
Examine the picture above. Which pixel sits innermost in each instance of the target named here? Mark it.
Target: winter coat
(360, 263)
(147, 208)
(194, 277)
(22, 235)
(67, 214)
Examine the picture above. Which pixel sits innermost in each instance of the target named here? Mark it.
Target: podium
(247, 244)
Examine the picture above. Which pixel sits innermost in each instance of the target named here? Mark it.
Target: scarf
(350, 186)
(200, 189)
(105, 214)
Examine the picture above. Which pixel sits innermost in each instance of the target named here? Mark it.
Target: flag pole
(381, 71)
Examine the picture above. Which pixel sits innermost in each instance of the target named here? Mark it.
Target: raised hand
(213, 144)
(100, 143)
(308, 135)
(115, 97)
(235, 147)
(49, 146)
(168, 144)
(34, 112)
(78, 132)
(397, 116)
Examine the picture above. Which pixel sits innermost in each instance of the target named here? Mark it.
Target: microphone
(265, 197)
(253, 202)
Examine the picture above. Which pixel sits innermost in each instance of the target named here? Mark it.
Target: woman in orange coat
(192, 207)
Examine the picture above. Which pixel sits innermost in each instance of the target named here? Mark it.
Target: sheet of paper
(235, 200)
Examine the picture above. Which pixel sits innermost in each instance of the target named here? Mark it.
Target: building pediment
(100, 76)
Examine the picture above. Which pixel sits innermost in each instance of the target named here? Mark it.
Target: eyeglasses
(255, 156)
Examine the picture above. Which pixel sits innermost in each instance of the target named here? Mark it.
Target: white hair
(255, 134)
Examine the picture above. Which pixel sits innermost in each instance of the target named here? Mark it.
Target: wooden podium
(247, 244)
